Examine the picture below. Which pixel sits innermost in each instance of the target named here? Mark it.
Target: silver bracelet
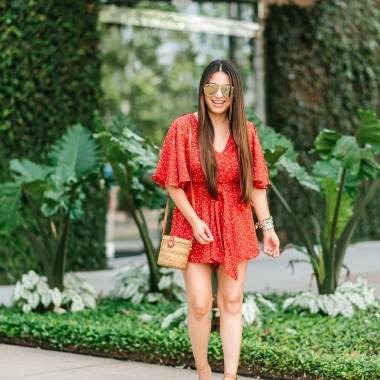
(265, 224)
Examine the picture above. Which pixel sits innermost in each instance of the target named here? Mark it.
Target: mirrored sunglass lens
(226, 91)
(210, 89)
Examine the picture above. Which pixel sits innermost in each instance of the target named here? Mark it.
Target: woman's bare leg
(199, 298)
(230, 298)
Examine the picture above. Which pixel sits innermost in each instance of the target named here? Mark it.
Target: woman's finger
(208, 233)
(202, 234)
(202, 238)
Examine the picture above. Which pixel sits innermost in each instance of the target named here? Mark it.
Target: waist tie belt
(221, 218)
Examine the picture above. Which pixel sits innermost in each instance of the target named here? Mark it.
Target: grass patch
(285, 346)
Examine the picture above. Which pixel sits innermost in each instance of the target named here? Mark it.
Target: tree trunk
(329, 284)
(148, 246)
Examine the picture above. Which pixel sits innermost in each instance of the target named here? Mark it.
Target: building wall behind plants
(322, 65)
(49, 80)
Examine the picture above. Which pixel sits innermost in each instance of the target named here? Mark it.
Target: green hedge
(322, 64)
(286, 345)
(49, 80)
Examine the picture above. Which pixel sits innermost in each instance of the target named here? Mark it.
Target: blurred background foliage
(50, 74)
(322, 65)
(153, 74)
(58, 65)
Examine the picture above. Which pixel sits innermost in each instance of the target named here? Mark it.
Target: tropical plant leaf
(131, 157)
(349, 297)
(346, 150)
(181, 312)
(369, 130)
(26, 171)
(325, 142)
(250, 310)
(62, 177)
(272, 156)
(351, 184)
(298, 172)
(266, 302)
(299, 225)
(345, 210)
(369, 167)
(77, 150)
(342, 243)
(269, 138)
(331, 169)
(36, 188)
(131, 135)
(273, 144)
(327, 169)
(10, 195)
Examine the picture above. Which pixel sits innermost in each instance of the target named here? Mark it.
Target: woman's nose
(219, 93)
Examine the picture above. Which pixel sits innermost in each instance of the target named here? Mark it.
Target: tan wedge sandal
(203, 366)
(230, 376)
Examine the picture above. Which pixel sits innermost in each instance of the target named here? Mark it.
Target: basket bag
(175, 251)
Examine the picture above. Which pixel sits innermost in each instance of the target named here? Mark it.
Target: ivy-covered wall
(49, 80)
(322, 65)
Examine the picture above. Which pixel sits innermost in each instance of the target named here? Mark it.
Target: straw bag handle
(191, 184)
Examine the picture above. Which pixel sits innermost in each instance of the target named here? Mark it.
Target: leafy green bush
(54, 195)
(32, 293)
(349, 297)
(250, 312)
(345, 162)
(50, 79)
(286, 345)
(322, 64)
(133, 283)
(134, 160)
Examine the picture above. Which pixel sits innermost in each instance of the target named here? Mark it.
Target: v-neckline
(225, 147)
(228, 140)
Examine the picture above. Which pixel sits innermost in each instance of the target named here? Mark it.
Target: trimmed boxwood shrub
(49, 80)
(322, 65)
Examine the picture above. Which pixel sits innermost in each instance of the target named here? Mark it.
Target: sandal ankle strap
(230, 375)
(202, 366)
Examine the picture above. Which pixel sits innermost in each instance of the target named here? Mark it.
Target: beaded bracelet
(265, 224)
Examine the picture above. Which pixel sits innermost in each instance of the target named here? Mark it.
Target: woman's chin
(217, 110)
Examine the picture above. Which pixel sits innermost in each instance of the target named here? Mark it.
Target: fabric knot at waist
(220, 213)
(222, 187)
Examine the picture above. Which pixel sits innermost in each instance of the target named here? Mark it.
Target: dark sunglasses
(211, 89)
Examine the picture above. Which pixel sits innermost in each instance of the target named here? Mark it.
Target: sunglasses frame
(230, 89)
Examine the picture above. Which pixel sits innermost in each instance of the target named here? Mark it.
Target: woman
(229, 176)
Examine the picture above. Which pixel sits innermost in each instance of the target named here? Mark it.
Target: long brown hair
(239, 130)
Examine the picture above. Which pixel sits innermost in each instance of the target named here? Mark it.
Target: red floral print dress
(229, 220)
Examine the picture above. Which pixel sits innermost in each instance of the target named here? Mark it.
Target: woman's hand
(201, 232)
(271, 243)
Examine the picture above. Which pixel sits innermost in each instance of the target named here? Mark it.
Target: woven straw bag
(175, 251)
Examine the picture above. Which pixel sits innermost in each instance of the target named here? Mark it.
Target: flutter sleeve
(172, 165)
(260, 171)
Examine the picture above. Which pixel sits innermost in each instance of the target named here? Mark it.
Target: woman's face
(218, 103)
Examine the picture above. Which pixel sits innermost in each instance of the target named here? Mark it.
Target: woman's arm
(200, 229)
(259, 202)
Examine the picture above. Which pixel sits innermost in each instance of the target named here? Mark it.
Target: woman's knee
(199, 308)
(230, 304)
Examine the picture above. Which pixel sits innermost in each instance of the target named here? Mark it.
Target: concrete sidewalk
(24, 363)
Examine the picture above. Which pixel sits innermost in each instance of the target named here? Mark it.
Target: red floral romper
(229, 220)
